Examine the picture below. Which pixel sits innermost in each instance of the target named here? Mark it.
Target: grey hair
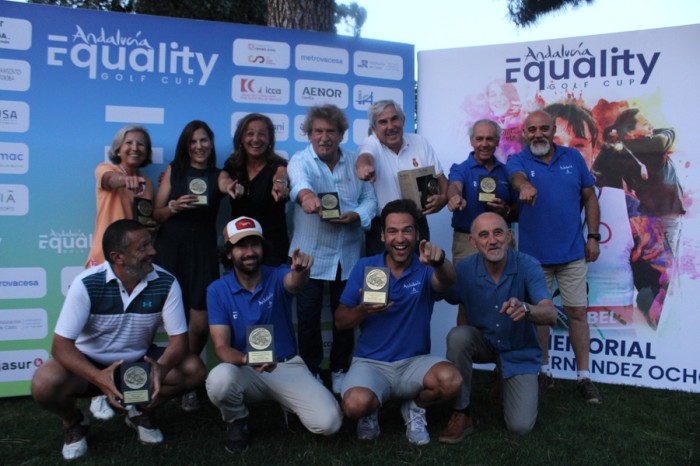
(493, 124)
(379, 106)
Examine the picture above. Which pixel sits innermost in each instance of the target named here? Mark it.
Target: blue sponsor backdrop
(69, 79)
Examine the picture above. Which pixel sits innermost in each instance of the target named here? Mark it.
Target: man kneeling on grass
(111, 314)
(391, 358)
(505, 295)
(254, 294)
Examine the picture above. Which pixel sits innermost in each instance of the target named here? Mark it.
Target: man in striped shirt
(111, 314)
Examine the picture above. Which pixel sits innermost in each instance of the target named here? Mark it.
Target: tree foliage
(314, 15)
(528, 12)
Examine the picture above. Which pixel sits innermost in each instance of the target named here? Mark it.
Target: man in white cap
(256, 294)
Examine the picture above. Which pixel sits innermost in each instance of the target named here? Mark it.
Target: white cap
(241, 227)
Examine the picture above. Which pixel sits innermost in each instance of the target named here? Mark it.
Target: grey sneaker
(75, 439)
(190, 402)
(588, 391)
(368, 426)
(414, 417)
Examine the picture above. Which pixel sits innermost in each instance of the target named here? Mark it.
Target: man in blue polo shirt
(463, 190)
(391, 357)
(255, 294)
(504, 295)
(554, 182)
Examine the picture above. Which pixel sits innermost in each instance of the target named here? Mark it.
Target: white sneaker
(144, 424)
(75, 439)
(100, 408)
(190, 402)
(416, 424)
(368, 426)
(337, 380)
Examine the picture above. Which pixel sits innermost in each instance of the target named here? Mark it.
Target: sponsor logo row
(277, 55)
(276, 91)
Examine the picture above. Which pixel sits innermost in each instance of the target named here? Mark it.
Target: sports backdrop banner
(69, 79)
(628, 102)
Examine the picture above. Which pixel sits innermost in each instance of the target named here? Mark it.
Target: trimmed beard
(540, 150)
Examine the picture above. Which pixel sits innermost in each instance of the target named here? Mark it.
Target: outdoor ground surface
(634, 426)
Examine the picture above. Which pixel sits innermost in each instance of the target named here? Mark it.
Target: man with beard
(256, 294)
(504, 294)
(323, 174)
(392, 357)
(383, 154)
(111, 314)
(553, 182)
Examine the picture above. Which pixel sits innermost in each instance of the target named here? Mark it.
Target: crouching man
(392, 357)
(110, 316)
(255, 294)
(505, 296)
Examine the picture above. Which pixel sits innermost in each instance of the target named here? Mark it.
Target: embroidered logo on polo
(414, 286)
(267, 299)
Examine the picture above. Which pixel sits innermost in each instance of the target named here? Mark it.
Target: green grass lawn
(635, 426)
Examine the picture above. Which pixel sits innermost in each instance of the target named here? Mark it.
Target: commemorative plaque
(261, 344)
(427, 186)
(418, 184)
(143, 211)
(198, 186)
(330, 205)
(487, 188)
(376, 287)
(133, 380)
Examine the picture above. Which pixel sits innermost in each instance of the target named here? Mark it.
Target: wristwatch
(527, 309)
(595, 236)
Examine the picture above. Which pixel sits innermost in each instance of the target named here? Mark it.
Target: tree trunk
(312, 15)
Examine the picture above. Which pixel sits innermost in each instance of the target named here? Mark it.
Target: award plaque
(487, 188)
(198, 187)
(134, 381)
(427, 186)
(418, 184)
(143, 211)
(330, 205)
(376, 288)
(261, 344)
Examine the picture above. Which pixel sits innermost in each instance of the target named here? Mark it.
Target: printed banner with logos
(70, 78)
(628, 103)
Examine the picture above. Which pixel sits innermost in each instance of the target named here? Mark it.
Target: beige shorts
(461, 247)
(571, 282)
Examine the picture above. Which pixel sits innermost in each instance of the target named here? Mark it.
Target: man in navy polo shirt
(255, 294)
(391, 357)
(554, 182)
(504, 295)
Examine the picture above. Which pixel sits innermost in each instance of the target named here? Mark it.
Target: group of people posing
(114, 308)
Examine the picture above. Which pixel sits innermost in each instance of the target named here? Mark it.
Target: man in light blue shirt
(334, 243)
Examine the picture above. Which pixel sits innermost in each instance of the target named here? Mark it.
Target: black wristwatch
(527, 309)
(595, 236)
